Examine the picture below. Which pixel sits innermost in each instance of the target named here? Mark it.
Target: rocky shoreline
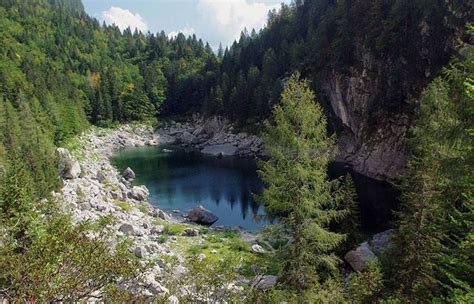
(93, 188)
(212, 136)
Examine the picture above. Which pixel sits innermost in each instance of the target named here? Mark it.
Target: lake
(179, 181)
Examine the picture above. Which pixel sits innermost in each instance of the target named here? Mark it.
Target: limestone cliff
(373, 102)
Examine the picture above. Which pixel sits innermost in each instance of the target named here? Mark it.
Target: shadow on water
(377, 199)
(180, 181)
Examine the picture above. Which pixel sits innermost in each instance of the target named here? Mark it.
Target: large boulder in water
(360, 257)
(203, 216)
(68, 167)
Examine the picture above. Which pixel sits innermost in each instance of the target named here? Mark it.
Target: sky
(214, 21)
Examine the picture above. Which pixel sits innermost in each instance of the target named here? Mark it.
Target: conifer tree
(297, 186)
(434, 248)
(350, 226)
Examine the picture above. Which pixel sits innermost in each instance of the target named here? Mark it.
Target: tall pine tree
(298, 188)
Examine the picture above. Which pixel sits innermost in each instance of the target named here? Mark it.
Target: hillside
(385, 87)
(367, 61)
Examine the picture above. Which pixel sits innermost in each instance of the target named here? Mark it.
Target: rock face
(374, 151)
(213, 136)
(68, 167)
(203, 216)
(371, 103)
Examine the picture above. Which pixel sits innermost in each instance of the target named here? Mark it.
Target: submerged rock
(68, 167)
(360, 257)
(203, 216)
(220, 150)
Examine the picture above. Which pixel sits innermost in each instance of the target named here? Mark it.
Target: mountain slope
(368, 62)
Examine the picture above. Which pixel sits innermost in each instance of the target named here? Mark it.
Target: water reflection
(182, 180)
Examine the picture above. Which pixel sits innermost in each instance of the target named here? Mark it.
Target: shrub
(63, 262)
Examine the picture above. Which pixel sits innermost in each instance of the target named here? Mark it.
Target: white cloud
(124, 18)
(187, 31)
(231, 16)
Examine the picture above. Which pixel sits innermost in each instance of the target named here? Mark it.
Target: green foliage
(174, 229)
(143, 209)
(434, 241)
(365, 286)
(350, 226)
(44, 257)
(298, 189)
(127, 207)
(208, 281)
(406, 38)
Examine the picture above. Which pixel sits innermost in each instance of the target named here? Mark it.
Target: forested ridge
(61, 71)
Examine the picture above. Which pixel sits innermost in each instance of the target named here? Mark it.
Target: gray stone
(173, 300)
(155, 287)
(360, 257)
(185, 138)
(163, 215)
(127, 229)
(101, 176)
(258, 249)
(140, 252)
(201, 256)
(265, 282)
(203, 216)
(191, 232)
(382, 241)
(68, 167)
(128, 174)
(158, 229)
(139, 193)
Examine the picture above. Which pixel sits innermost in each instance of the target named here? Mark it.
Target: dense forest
(62, 71)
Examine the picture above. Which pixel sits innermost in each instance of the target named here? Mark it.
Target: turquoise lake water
(180, 181)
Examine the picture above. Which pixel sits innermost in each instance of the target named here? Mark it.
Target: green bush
(365, 286)
(62, 262)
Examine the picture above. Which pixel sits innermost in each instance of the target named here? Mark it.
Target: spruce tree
(350, 226)
(434, 241)
(297, 186)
